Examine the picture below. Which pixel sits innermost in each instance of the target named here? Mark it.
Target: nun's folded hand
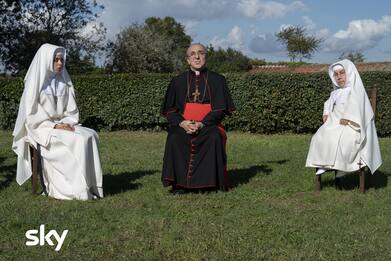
(344, 122)
(64, 126)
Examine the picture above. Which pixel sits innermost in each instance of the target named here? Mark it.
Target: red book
(196, 111)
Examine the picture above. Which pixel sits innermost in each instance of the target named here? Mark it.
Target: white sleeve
(71, 114)
(39, 125)
(326, 107)
(40, 119)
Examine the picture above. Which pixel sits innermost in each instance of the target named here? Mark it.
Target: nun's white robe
(70, 159)
(343, 147)
(335, 146)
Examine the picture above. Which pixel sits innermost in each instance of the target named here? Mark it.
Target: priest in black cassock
(195, 104)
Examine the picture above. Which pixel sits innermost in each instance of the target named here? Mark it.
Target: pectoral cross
(360, 164)
(196, 94)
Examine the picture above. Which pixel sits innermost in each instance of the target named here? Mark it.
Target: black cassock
(196, 161)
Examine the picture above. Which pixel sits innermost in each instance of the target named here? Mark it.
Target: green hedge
(266, 103)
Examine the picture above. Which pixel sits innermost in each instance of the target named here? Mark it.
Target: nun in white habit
(48, 116)
(348, 135)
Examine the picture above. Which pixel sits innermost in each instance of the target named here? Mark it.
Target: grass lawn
(272, 212)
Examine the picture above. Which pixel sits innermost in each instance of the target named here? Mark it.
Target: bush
(11, 90)
(265, 103)
(229, 60)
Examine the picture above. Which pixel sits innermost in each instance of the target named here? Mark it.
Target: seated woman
(48, 116)
(347, 140)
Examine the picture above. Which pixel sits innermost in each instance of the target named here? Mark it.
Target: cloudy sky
(250, 25)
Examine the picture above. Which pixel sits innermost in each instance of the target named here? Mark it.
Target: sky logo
(38, 237)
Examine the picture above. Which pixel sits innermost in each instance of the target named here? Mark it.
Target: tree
(137, 49)
(228, 60)
(298, 44)
(354, 56)
(170, 28)
(257, 62)
(173, 31)
(157, 45)
(27, 24)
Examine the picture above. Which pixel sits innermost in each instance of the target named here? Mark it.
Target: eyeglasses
(196, 54)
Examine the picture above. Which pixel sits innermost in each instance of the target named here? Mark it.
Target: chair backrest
(372, 95)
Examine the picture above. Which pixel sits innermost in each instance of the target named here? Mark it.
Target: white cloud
(266, 43)
(308, 23)
(311, 26)
(191, 27)
(136, 10)
(121, 13)
(219, 42)
(283, 26)
(268, 9)
(233, 40)
(322, 33)
(253, 29)
(360, 35)
(235, 37)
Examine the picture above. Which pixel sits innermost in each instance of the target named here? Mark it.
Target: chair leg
(337, 181)
(318, 182)
(40, 171)
(362, 180)
(34, 171)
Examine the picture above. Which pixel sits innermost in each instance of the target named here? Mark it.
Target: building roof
(313, 68)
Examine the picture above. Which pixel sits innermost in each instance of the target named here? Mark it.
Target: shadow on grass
(242, 176)
(122, 182)
(279, 162)
(378, 180)
(352, 181)
(7, 174)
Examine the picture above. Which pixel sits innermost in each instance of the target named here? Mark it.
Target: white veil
(359, 110)
(39, 72)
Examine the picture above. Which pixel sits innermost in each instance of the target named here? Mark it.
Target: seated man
(347, 140)
(196, 102)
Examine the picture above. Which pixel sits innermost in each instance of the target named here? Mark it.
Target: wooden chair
(372, 94)
(36, 166)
